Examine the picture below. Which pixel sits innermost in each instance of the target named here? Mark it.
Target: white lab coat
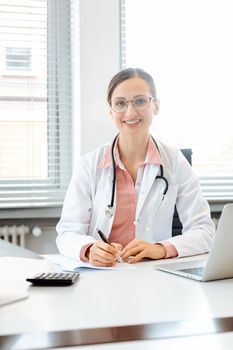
(89, 193)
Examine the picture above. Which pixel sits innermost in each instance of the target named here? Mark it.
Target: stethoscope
(109, 210)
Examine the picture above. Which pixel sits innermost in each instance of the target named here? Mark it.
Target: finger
(102, 256)
(105, 246)
(117, 246)
(132, 252)
(132, 244)
(102, 246)
(136, 258)
(98, 253)
(95, 262)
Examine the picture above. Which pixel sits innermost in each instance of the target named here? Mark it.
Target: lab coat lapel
(150, 173)
(102, 222)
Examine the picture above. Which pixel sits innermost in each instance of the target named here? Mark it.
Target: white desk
(140, 296)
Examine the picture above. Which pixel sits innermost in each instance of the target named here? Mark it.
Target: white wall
(99, 61)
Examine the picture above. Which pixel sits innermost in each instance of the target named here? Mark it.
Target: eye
(120, 103)
(140, 101)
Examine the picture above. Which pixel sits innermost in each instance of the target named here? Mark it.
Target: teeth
(132, 121)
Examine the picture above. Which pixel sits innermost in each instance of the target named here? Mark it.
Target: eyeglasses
(140, 103)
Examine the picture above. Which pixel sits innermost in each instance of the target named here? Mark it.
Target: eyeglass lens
(139, 103)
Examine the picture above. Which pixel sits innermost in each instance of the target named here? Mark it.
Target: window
(35, 102)
(186, 46)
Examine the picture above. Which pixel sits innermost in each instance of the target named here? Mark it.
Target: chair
(176, 223)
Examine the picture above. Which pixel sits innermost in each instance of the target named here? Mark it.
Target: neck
(133, 149)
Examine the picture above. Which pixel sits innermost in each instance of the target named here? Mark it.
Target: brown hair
(129, 73)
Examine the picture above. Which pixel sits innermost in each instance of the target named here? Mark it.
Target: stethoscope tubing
(114, 172)
(109, 209)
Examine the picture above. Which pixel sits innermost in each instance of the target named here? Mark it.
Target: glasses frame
(132, 101)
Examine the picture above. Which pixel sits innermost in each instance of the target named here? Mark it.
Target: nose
(130, 108)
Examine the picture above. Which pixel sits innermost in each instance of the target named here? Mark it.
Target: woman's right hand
(103, 254)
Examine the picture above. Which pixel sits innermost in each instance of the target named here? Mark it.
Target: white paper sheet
(67, 264)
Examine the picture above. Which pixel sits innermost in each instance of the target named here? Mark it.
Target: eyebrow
(116, 98)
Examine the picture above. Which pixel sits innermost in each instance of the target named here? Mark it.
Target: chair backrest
(176, 223)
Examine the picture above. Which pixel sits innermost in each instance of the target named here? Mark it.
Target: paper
(67, 264)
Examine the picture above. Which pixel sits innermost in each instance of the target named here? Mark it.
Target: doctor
(128, 189)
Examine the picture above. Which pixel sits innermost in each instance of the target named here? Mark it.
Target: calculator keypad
(54, 278)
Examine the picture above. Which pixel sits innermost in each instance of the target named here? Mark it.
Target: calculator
(53, 278)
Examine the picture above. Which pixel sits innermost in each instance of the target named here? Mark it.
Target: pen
(104, 239)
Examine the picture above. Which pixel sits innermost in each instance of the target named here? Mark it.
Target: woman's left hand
(137, 250)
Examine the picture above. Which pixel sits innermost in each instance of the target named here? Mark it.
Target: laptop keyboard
(198, 271)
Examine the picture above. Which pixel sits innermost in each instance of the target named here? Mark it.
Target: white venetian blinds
(35, 102)
(187, 47)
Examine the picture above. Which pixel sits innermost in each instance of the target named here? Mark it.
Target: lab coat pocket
(170, 198)
(157, 215)
(166, 210)
(155, 207)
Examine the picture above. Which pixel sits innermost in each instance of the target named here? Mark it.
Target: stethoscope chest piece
(109, 211)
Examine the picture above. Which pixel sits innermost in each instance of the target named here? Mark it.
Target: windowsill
(29, 213)
(217, 206)
(55, 212)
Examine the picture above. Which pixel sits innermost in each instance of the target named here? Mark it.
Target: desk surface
(140, 296)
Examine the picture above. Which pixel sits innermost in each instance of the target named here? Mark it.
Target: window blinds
(35, 102)
(187, 48)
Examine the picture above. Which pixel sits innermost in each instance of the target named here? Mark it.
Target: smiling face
(133, 121)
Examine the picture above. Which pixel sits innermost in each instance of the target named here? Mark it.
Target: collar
(152, 155)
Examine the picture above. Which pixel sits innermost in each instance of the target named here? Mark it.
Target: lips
(132, 122)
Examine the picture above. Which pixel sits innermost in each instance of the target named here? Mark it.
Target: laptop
(219, 264)
(10, 249)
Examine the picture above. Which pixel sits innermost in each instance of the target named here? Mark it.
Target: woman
(151, 178)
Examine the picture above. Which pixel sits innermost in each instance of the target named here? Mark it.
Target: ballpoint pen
(104, 239)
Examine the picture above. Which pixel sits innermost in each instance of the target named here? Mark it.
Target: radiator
(14, 234)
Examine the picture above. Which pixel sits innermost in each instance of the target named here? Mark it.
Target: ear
(156, 107)
(110, 113)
